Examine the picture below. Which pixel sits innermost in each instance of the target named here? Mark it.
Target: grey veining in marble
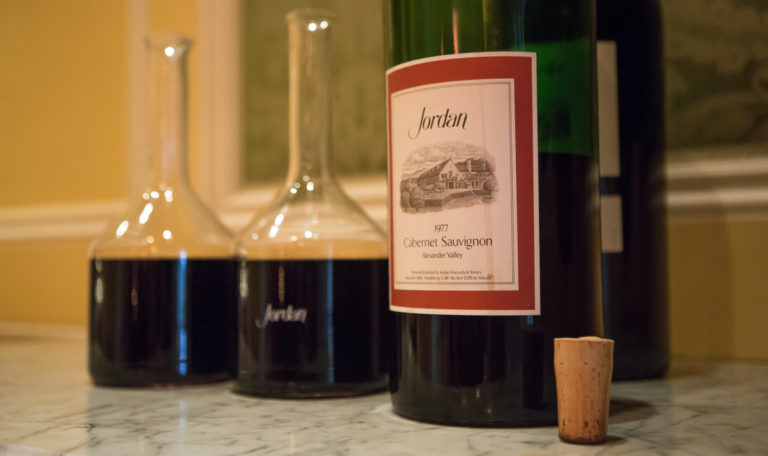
(48, 406)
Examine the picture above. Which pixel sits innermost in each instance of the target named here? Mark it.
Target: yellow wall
(44, 281)
(63, 120)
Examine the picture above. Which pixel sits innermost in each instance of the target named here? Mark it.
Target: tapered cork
(583, 369)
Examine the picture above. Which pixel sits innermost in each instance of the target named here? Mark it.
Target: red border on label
(467, 67)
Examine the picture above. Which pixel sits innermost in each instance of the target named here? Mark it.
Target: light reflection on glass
(181, 316)
(98, 290)
(145, 195)
(310, 186)
(169, 51)
(279, 219)
(294, 238)
(145, 213)
(122, 228)
(150, 239)
(155, 194)
(273, 231)
(182, 414)
(243, 280)
(312, 27)
(293, 190)
(308, 234)
(167, 235)
(168, 195)
(324, 25)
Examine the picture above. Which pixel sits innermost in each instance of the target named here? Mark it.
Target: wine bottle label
(463, 185)
(611, 226)
(608, 109)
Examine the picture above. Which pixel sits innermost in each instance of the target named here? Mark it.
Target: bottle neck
(309, 97)
(168, 110)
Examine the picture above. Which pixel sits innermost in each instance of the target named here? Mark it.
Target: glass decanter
(163, 276)
(313, 283)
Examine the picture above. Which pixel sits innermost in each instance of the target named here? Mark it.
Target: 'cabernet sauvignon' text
(445, 241)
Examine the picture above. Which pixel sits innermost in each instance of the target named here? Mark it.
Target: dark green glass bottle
(632, 187)
(497, 370)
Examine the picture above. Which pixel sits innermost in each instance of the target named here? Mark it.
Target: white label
(608, 109)
(453, 187)
(463, 185)
(611, 226)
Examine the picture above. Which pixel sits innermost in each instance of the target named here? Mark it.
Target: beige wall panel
(44, 281)
(718, 275)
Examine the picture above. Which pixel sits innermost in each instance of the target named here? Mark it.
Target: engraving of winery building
(450, 175)
(445, 182)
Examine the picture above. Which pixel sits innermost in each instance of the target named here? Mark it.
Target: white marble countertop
(47, 405)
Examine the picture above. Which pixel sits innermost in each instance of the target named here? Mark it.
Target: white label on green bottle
(463, 181)
(610, 216)
(608, 109)
(610, 156)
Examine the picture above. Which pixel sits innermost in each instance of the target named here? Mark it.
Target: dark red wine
(312, 328)
(635, 271)
(497, 370)
(162, 322)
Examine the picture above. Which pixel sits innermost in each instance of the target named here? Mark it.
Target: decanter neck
(309, 94)
(168, 109)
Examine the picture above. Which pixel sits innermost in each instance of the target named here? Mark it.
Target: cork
(583, 369)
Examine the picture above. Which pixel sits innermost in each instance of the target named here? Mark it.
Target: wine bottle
(494, 212)
(631, 112)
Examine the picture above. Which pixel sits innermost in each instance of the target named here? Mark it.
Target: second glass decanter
(313, 293)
